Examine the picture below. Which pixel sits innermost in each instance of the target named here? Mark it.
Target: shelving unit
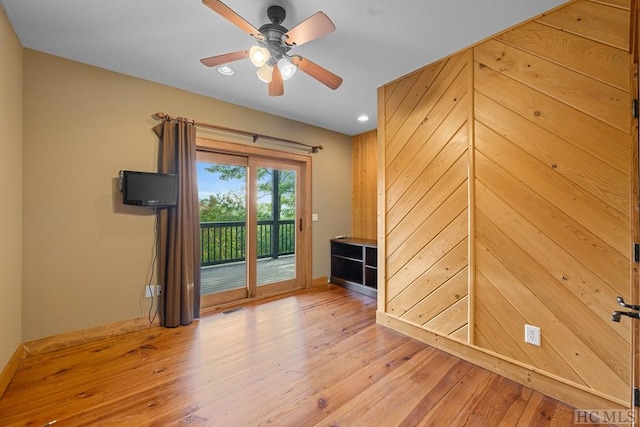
(354, 265)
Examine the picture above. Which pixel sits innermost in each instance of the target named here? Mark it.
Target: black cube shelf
(354, 265)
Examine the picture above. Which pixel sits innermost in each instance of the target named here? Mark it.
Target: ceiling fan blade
(228, 13)
(323, 75)
(214, 61)
(276, 85)
(317, 25)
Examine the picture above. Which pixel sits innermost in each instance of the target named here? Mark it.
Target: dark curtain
(179, 227)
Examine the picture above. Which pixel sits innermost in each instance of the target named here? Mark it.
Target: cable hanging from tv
(255, 136)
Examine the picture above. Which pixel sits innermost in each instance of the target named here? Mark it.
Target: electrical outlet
(532, 335)
(152, 291)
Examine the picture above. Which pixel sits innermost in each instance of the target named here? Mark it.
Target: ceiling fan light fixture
(259, 55)
(265, 73)
(287, 69)
(273, 42)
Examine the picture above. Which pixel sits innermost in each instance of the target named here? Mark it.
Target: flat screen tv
(155, 190)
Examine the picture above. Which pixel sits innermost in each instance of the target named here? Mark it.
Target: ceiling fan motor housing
(274, 34)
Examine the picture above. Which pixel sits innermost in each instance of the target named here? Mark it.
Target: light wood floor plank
(314, 357)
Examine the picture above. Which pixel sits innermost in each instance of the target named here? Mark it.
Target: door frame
(634, 40)
(303, 201)
(635, 238)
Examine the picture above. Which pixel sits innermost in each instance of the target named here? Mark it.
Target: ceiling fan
(271, 54)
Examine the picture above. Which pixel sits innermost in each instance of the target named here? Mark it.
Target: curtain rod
(255, 136)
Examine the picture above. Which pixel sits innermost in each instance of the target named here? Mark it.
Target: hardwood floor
(312, 358)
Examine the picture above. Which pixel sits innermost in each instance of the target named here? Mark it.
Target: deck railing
(225, 242)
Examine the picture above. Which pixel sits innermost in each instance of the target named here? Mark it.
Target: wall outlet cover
(532, 335)
(152, 291)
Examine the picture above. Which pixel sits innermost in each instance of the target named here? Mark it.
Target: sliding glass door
(275, 221)
(249, 219)
(223, 201)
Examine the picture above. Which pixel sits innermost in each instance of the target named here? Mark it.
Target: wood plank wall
(507, 189)
(426, 188)
(364, 169)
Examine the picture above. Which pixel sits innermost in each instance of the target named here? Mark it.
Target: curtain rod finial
(159, 116)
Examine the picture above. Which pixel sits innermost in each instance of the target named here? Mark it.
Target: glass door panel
(276, 236)
(222, 193)
(274, 191)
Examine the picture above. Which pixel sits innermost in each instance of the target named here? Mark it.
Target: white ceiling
(375, 42)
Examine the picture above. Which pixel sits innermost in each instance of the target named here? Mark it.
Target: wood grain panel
(501, 326)
(451, 235)
(608, 185)
(389, 90)
(381, 203)
(589, 134)
(406, 94)
(599, 22)
(428, 99)
(451, 103)
(411, 168)
(406, 296)
(577, 202)
(601, 62)
(370, 188)
(565, 268)
(492, 334)
(450, 160)
(455, 177)
(451, 319)
(461, 334)
(607, 263)
(485, 343)
(364, 182)
(590, 367)
(596, 332)
(441, 299)
(411, 238)
(583, 93)
(392, 88)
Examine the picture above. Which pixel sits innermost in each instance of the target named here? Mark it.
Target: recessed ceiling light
(363, 118)
(226, 71)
